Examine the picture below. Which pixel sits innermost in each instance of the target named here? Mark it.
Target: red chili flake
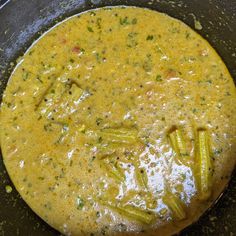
(63, 41)
(76, 49)
(170, 73)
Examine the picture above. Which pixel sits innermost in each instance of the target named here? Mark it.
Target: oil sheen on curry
(119, 121)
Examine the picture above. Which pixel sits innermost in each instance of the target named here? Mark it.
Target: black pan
(22, 21)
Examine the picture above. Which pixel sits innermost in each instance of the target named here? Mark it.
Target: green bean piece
(69, 99)
(59, 98)
(151, 201)
(73, 94)
(141, 176)
(105, 152)
(126, 136)
(50, 97)
(175, 205)
(113, 171)
(203, 173)
(134, 213)
(179, 145)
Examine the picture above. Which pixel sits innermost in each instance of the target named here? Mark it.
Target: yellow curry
(119, 121)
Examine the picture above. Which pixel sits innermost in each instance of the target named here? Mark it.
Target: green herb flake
(92, 13)
(98, 57)
(183, 176)
(124, 21)
(65, 127)
(187, 35)
(209, 81)
(8, 189)
(218, 151)
(99, 121)
(134, 21)
(98, 22)
(38, 78)
(158, 78)
(41, 178)
(150, 37)
(132, 39)
(25, 75)
(79, 203)
(48, 127)
(100, 139)
(90, 29)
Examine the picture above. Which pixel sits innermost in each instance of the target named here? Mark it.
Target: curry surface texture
(119, 121)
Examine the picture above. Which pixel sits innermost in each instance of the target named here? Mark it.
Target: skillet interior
(20, 23)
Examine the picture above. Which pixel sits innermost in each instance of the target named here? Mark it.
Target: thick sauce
(97, 114)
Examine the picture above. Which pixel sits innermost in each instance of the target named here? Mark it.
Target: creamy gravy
(101, 124)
